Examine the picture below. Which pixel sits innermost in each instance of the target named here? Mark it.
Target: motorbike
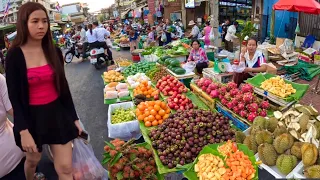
(76, 49)
(98, 57)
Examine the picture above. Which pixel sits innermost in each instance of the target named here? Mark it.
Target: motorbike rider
(101, 33)
(83, 40)
(91, 36)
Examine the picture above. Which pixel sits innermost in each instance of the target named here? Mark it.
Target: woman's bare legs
(62, 155)
(32, 160)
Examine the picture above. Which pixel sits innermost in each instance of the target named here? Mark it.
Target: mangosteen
(196, 141)
(214, 133)
(170, 165)
(169, 138)
(181, 162)
(193, 150)
(212, 141)
(189, 134)
(195, 146)
(202, 133)
(191, 139)
(187, 146)
(209, 130)
(199, 148)
(214, 128)
(217, 140)
(188, 155)
(200, 144)
(205, 142)
(226, 132)
(195, 131)
(170, 155)
(178, 137)
(201, 139)
(183, 154)
(190, 143)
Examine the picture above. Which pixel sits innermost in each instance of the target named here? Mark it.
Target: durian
(260, 121)
(263, 137)
(251, 143)
(279, 130)
(240, 136)
(267, 154)
(283, 142)
(272, 124)
(296, 149)
(254, 129)
(312, 171)
(309, 154)
(286, 163)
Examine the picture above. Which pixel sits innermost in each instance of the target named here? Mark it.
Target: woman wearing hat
(195, 33)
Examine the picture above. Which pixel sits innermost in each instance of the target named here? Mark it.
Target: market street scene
(159, 89)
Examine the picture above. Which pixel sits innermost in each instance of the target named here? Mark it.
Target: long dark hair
(90, 28)
(48, 47)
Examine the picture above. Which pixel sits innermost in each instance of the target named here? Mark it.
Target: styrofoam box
(299, 173)
(126, 130)
(273, 169)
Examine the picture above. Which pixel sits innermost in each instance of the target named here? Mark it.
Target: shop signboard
(190, 3)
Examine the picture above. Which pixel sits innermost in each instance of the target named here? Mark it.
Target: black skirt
(50, 124)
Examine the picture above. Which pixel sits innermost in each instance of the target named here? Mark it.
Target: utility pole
(214, 6)
(119, 11)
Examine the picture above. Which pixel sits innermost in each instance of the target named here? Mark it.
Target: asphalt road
(86, 87)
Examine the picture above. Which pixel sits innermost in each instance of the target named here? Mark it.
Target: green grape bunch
(121, 115)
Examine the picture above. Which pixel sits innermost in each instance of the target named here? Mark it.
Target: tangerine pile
(152, 113)
(145, 89)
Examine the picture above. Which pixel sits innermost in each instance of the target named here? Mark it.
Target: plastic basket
(210, 56)
(235, 121)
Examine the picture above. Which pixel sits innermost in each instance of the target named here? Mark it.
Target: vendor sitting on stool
(199, 56)
(254, 60)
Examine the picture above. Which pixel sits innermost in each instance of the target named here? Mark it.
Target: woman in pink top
(44, 112)
(11, 156)
(207, 31)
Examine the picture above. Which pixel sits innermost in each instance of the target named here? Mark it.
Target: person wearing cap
(166, 29)
(195, 32)
(231, 36)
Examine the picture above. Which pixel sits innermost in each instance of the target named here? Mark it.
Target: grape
(121, 115)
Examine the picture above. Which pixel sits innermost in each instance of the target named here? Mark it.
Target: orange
(165, 116)
(146, 119)
(147, 123)
(146, 113)
(158, 102)
(163, 105)
(161, 112)
(151, 118)
(168, 111)
(157, 107)
(160, 121)
(138, 113)
(154, 123)
(158, 117)
(153, 112)
(141, 117)
(148, 96)
(152, 103)
(141, 107)
(150, 91)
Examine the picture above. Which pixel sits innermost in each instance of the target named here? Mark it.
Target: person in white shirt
(91, 36)
(101, 34)
(231, 36)
(195, 32)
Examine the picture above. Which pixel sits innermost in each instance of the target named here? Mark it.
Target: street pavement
(86, 87)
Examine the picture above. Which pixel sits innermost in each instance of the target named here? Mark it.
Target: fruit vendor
(254, 60)
(199, 56)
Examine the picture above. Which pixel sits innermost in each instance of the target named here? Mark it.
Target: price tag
(265, 93)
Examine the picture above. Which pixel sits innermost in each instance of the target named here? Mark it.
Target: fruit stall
(206, 129)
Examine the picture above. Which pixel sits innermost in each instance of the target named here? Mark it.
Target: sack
(211, 37)
(85, 164)
(125, 130)
(163, 37)
(109, 43)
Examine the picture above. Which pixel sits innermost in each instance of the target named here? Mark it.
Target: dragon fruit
(252, 116)
(200, 82)
(224, 101)
(234, 92)
(223, 90)
(214, 94)
(241, 106)
(239, 97)
(204, 88)
(213, 86)
(247, 88)
(230, 105)
(248, 97)
(244, 113)
(221, 96)
(264, 104)
(231, 85)
(263, 113)
(227, 96)
(253, 107)
(207, 82)
(208, 91)
(236, 109)
(234, 102)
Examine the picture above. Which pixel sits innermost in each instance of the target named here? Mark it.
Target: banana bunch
(277, 86)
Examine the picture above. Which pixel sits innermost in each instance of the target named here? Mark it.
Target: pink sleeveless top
(42, 88)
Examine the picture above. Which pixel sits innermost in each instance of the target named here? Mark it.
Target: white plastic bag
(85, 164)
(189, 67)
(211, 37)
(239, 68)
(111, 94)
(122, 86)
(109, 43)
(164, 37)
(124, 131)
(123, 93)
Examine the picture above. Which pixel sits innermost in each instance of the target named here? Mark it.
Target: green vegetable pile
(121, 115)
(141, 67)
(172, 64)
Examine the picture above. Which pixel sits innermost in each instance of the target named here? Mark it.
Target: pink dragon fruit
(230, 105)
(264, 104)
(227, 96)
(239, 97)
(253, 107)
(213, 86)
(248, 97)
(236, 109)
(214, 94)
(234, 102)
(223, 90)
(263, 113)
(234, 92)
(241, 106)
(200, 82)
(208, 91)
(207, 82)
(224, 101)
(221, 96)
(252, 116)
(231, 85)
(204, 88)
(247, 88)
(244, 113)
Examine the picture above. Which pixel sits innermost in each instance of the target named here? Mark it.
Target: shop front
(197, 10)
(240, 10)
(171, 8)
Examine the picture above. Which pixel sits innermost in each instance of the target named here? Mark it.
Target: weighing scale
(220, 65)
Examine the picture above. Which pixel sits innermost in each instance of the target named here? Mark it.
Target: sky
(94, 5)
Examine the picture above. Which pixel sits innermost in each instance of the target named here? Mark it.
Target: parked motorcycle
(98, 57)
(76, 49)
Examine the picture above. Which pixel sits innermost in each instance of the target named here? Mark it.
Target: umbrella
(306, 6)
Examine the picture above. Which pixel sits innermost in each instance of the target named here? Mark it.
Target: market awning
(306, 6)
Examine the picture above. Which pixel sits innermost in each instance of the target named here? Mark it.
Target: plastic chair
(308, 42)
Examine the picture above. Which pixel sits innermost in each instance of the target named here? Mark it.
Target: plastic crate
(238, 123)
(210, 56)
(186, 82)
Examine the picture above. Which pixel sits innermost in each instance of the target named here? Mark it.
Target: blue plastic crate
(235, 121)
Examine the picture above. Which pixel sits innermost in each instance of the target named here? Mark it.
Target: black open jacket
(18, 89)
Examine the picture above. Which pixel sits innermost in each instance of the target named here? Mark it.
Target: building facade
(76, 11)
